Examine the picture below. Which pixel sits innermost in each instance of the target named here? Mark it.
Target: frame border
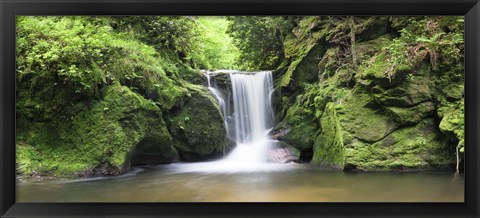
(10, 8)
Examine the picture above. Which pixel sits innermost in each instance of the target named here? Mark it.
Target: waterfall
(248, 116)
(253, 115)
(221, 101)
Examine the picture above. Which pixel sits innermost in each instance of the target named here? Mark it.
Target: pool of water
(296, 183)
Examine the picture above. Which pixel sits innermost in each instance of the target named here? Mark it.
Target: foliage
(62, 51)
(177, 33)
(438, 39)
(65, 60)
(216, 49)
(258, 39)
(91, 90)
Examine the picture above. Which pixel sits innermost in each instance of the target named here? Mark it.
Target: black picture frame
(11, 8)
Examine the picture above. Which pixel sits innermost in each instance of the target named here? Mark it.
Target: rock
(376, 27)
(363, 118)
(367, 110)
(329, 148)
(407, 94)
(300, 126)
(408, 148)
(198, 128)
(280, 133)
(411, 115)
(100, 140)
(283, 153)
(455, 91)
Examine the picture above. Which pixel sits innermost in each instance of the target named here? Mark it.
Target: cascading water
(250, 122)
(253, 116)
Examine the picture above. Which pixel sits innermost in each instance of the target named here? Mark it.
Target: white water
(253, 120)
(221, 101)
(253, 116)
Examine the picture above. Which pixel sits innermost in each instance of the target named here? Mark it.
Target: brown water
(300, 184)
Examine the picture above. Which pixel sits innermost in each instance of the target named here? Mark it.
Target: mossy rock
(329, 148)
(198, 128)
(148, 152)
(411, 115)
(453, 123)
(365, 119)
(303, 49)
(101, 138)
(379, 71)
(417, 147)
(406, 94)
(303, 126)
(307, 69)
(369, 47)
(374, 27)
(455, 91)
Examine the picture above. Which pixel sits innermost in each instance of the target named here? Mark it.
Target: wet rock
(283, 153)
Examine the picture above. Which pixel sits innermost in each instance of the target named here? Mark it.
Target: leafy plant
(436, 39)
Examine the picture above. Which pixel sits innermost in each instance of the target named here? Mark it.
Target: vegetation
(216, 46)
(360, 82)
(258, 40)
(97, 94)
(93, 91)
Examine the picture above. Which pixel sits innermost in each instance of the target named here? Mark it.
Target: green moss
(198, 127)
(329, 149)
(408, 93)
(364, 118)
(453, 122)
(414, 147)
(392, 92)
(303, 126)
(103, 134)
(302, 48)
(364, 50)
(381, 70)
(328, 64)
(411, 115)
(287, 77)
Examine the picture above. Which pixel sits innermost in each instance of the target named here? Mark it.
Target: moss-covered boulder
(301, 125)
(358, 133)
(99, 140)
(302, 48)
(198, 128)
(413, 147)
(412, 115)
(453, 123)
(364, 118)
(329, 149)
(416, 88)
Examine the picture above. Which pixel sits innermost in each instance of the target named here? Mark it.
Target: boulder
(329, 146)
(198, 128)
(282, 152)
(99, 140)
(408, 148)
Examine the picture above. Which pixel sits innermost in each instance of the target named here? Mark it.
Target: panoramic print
(240, 109)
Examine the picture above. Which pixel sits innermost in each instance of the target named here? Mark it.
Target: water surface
(297, 183)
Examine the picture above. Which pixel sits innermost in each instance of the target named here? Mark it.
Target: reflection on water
(303, 184)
